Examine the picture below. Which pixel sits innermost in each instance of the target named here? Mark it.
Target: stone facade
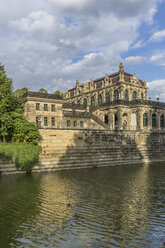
(115, 102)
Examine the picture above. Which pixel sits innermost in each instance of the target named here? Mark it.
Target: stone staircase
(100, 122)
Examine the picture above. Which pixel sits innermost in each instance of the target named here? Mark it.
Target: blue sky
(52, 43)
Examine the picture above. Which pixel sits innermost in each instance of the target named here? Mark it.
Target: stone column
(149, 120)
(158, 121)
(120, 127)
(139, 119)
(96, 99)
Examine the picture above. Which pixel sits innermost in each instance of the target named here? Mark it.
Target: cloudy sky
(52, 43)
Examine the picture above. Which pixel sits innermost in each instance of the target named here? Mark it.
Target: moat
(121, 206)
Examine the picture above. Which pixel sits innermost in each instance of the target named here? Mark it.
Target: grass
(25, 156)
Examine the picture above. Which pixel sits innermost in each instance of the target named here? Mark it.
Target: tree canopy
(42, 90)
(13, 125)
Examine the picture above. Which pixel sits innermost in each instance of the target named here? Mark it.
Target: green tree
(42, 90)
(59, 93)
(25, 132)
(6, 106)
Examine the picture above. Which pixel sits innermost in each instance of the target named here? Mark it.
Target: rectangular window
(45, 121)
(81, 124)
(68, 123)
(53, 107)
(37, 120)
(37, 106)
(45, 107)
(53, 121)
(75, 123)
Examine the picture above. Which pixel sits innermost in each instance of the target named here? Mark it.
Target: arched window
(162, 121)
(154, 120)
(145, 120)
(126, 95)
(107, 97)
(142, 96)
(92, 101)
(85, 102)
(134, 94)
(99, 99)
(106, 119)
(116, 95)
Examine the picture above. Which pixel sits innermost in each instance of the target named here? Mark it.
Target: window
(45, 121)
(116, 95)
(92, 101)
(134, 94)
(126, 95)
(107, 97)
(52, 107)
(85, 102)
(53, 121)
(162, 121)
(75, 123)
(145, 120)
(99, 99)
(154, 120)
(45, 107)
(81, 124)
(37, 106)
(142, 96)
(68, 123)
(37, 120)
(78, 102)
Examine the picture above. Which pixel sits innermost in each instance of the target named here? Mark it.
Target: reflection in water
(105, 207)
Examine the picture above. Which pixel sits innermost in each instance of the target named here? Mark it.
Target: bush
(25, 156)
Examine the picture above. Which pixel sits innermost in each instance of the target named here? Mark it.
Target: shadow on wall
(101, 148)
(155, 144)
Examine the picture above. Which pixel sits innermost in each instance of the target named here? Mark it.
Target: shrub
(24, 155)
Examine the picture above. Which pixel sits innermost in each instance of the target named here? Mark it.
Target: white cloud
(158, 36)
(52, 43)
(134, 60)
(157, 89)
(158, 59)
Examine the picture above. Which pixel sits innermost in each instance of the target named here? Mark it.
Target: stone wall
(64, 149)
(68, 149)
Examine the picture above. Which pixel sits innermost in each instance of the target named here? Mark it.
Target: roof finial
(121, 67)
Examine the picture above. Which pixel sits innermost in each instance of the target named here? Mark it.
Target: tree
(13, 126)
(59, 93)
(25, 132)
(6, 106)
(42, 90)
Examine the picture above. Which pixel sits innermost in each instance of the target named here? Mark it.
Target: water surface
(121, 206)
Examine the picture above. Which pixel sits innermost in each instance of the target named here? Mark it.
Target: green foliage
(14, 127)
(59, 93)
(5, 104)
(25, 131)
(42, 90)
(25, 156)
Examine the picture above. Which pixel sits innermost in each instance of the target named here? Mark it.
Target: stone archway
(133, 121)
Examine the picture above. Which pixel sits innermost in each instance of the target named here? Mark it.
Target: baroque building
(114, 102)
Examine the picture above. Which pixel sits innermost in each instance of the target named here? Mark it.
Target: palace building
(115, 102)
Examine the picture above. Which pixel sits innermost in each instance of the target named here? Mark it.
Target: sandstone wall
(66, 149)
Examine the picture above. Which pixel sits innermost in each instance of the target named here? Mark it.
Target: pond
(121, 206)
